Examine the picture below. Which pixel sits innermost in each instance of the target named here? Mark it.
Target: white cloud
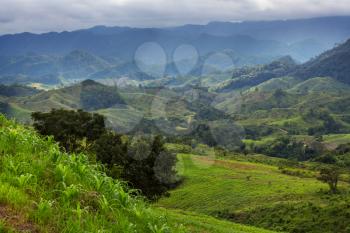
(58, 15)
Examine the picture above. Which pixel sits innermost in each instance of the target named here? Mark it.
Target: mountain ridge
(102, 40)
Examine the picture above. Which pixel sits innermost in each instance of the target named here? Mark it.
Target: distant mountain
(80, 65)
(325, 29)
(16, 90)
(302, 39)
(48, 69)
(334, 63)
(124, 44)
(125, 69)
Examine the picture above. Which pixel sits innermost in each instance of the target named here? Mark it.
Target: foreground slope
(45, 190)
(57, 192)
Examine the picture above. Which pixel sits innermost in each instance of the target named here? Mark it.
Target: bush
(330, 175)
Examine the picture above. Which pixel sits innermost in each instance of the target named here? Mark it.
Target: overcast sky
(59, 15)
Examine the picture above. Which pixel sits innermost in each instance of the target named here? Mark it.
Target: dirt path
(226, 164)
(16, 221)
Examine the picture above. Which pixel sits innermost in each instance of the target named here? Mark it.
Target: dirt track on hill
(226, 164)
(16, 221)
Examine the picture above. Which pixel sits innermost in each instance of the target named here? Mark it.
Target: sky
(59, 15)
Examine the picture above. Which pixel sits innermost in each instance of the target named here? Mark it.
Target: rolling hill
(88, 95)
(333, 63)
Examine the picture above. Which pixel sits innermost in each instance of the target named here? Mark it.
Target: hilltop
(333, 63)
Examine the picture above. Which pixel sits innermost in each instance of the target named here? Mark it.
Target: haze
(59, 15)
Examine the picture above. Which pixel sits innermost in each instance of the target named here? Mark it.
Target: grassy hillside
(259, 194)
(333, 63)
(200, 223)
(45, 190)
(320, 84)
(50, 191)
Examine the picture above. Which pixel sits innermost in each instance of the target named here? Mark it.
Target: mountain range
(303, 38)
(112, 52)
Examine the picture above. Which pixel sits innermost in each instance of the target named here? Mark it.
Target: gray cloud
(58, 15)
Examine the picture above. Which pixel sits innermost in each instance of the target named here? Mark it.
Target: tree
(144, 163)
(69, 127)
(279, 94)
(330, 175)
(154, 173)
(111, 150)
(343, 149)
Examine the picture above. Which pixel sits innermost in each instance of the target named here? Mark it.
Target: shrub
(330, 175)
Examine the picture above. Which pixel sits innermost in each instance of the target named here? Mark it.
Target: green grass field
(200, 223)
(241, 191)
(213, 186)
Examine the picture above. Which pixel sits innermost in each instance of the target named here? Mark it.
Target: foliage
(144, 163)
(110, 149)
(284, 147)
(153, 173)
(68, 126)
(329, 125)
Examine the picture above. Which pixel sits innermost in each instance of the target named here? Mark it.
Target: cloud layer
(59, 15)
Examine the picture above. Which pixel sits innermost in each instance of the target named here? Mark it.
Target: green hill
(276, 83)
(87, 95)
(321, 84)
(333, 63)
(252, 76)
(16, 90)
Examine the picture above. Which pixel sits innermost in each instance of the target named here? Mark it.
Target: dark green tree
(154, 174)
(111, 150)
(144, 163)
(69, 127)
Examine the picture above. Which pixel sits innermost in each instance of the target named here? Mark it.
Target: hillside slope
(259, 191)
(334, 63)
(45, 190)
(87, 95)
